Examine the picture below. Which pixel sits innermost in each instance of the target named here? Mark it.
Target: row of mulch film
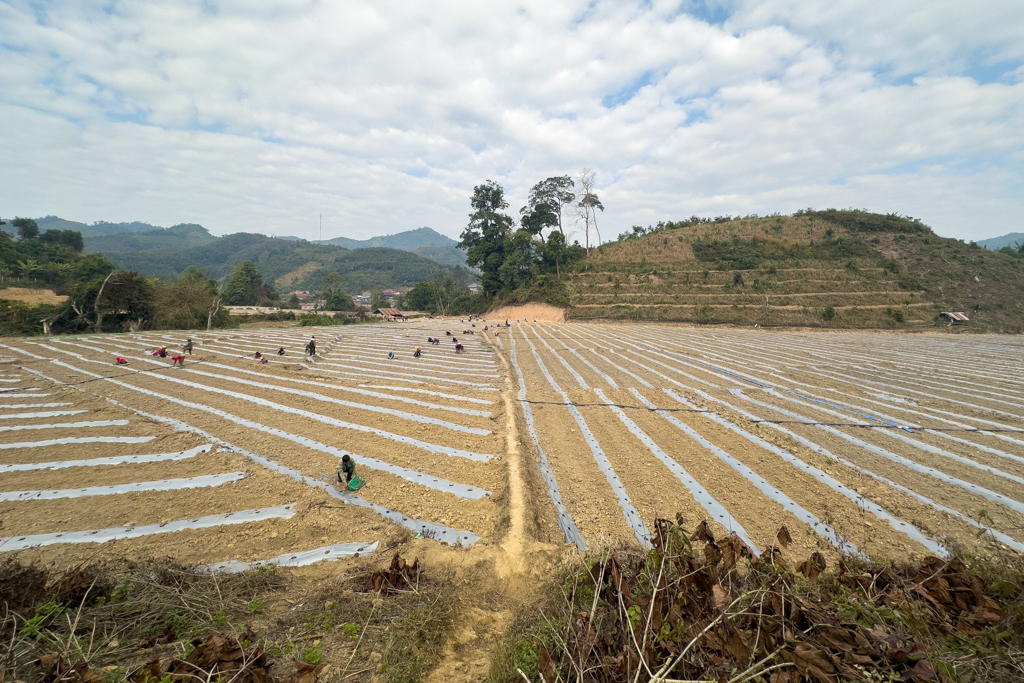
(720, 613)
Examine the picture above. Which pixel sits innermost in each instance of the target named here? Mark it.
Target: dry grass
(110, 621)
(678, 613)
(33, 297)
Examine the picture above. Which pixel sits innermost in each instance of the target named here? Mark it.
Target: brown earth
(936, 376)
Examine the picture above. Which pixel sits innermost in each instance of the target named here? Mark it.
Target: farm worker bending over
(311, 346)
(178, 361)
(459, 348)
(162, 352)
(120, 361)
(416, 353)
(280, 351)
(347, 466)
(187, 347)
(391, 355)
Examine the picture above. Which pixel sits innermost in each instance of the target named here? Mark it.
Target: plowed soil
(457, 419)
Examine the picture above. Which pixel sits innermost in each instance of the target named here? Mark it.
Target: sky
(383, 115)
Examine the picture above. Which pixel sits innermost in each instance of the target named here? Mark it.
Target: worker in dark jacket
(347, 466)
(187, 347)
(311, 346)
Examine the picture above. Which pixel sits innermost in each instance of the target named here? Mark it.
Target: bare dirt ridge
(885, 445)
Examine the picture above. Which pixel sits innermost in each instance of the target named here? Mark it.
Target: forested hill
(407, 241)
(184, 235)
(815, 268)
(294, 264)
(423, 241)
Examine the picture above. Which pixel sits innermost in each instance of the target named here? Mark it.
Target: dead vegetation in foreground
(159, 623)
(677, 613)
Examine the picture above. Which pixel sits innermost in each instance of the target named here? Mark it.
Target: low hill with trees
(183, 235)
(833, 268)
(287, 263)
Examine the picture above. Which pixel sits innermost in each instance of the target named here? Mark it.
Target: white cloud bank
(383, 115)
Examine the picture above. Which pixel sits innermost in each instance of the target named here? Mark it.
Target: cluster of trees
(53, 258)
(515, 258)
(1016, 251)
(103, 298)
(445, 293)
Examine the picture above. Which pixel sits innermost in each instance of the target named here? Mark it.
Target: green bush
(895, 315)
(828, 314)
(318, 320)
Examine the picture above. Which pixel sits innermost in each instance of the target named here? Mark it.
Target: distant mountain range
(423, 241)
(406, 241)
(289, 264)
(398, 260)
(1007, 240)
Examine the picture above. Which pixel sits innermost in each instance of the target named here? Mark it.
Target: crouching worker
(178, 361)
(347, 466)
(459, 348)
(118, 360)
(416, 353)
(280, 351)
(162, 352)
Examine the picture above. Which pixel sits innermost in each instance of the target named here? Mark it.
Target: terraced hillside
(824, 269)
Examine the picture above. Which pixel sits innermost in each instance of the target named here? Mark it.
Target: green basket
(356, 483)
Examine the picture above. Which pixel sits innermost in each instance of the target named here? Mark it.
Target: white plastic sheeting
(325, 554)
(115, 533)
(113, 460)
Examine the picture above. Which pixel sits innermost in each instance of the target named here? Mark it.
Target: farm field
(237, 457)
(886, 445)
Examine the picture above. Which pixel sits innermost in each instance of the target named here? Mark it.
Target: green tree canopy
(335, 297)
(27, 228)
(484, 238)
(69, 238)
(245, 287)
(555, 193)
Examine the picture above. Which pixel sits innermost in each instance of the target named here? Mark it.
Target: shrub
(828, 314)
(318, 320)
(895, 315)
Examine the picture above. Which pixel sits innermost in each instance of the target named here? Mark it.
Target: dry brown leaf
(783, 536)
(702, 533)
(305, 673)
(720, 596)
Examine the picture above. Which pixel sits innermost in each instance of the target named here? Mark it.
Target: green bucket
(356, 483)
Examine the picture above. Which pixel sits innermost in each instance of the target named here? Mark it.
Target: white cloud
(383, 115)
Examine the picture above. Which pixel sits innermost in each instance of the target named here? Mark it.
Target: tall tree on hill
(542, 216)
(245, 286)
(27, 228)
(555, 193)
(587, 205)
(69, 238)
(485, 237)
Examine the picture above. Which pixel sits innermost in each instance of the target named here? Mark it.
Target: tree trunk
(96, 305)
(46, 327)
(214, 307)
